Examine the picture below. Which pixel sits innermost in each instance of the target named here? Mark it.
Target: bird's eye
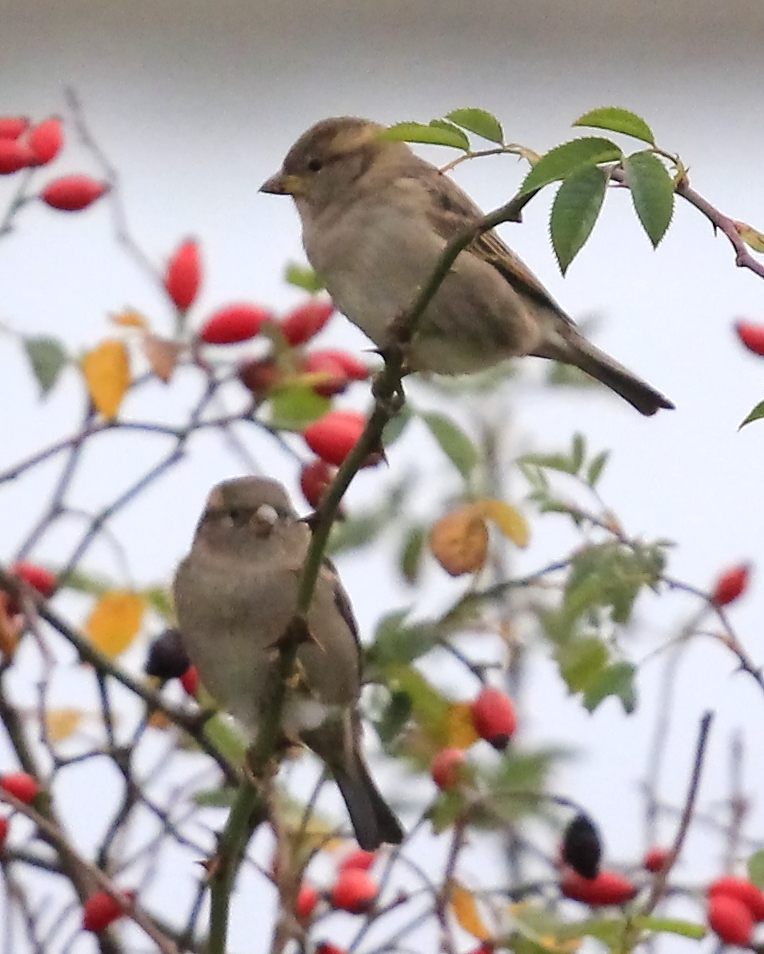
(237, 515)
(314, 165)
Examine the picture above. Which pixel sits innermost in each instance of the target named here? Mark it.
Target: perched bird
(235, 594)
(376, 218)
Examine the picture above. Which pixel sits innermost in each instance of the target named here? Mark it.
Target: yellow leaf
(107, 373)
(465, 911)
(162, 355)
(459, 541)
(751, 236)
(460, 730)
(159, 720)
(130, 318)
(510, 521)
(115, 621)
(61, 723)
(11, 626)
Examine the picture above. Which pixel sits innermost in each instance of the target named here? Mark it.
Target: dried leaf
(751, 236)
(130, 318)
(159, 720)
(460, 731)
(11, 626)
(459, 541)
(61, 723)
(462, 903)
(115, 621)
(510, 521)
(107, 373)
(162, 355)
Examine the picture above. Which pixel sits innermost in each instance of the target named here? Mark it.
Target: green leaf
(396, 426)
(754, 415)
(574, 212)
(652, 192)
(437, 133)
(301, 276)
(410, 562)
(596, 467)
(478, 121)
(695, 932)
(444, 811)
(293, 408)
(552, 461)
(453, 442)
(617, 120)
(395, 717)
(569, 158)
(756, 869)
(47, 357)
(581, 662)
(578, 451)
(615, 680)
(395, 643)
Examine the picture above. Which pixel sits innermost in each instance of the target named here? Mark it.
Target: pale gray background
(196, 104)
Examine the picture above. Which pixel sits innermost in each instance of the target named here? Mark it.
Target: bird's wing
(451, 210)
(341, 599)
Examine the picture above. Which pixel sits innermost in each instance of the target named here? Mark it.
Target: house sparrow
(235, 594)
(376, 218)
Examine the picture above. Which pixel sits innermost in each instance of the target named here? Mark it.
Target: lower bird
(375, 220)
(235, 594)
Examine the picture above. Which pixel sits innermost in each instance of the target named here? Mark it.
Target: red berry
(314, 480)
(301, 324)
(742, 890)
(447, 768)
(359, 859)
(101, 910)
(493, 717)
(21, 785)
(3, 831)
(190, 681)
(751, 335)
(353, 891)
(607, 888)
(233, 324)
(730, 919)
(45, 141)
(42, 580)
(259, 375)
(14, 155)
(72, 193)
(326, 948)
(356, 370)
(329, 372)
(183, 275)
(11, 127)
(730, 585)
(307, 899)
(655, 859)
(334, 435)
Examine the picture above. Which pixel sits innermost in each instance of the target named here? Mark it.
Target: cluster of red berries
(494, 719)
(353, 889)
(23, 147)
(733, 906)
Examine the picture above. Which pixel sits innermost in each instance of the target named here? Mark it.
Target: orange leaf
(460, 729)
(510, 521)
(459, 541)
(115, 621)
(162, 355)
(10, 627)
(61, 723)
(107, 373)
(130, 318)
(159, 720)
(465, 910)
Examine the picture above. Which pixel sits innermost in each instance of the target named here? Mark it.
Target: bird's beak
(283, 184)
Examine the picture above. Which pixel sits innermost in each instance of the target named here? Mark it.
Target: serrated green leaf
(652, 192)
(47, 357)
(754, 415)
(574, 212)
(301, 276)
(581, 662)
(478, 121)
(614, 680)
(453, 442)
(755, 867)
(410, 562)
(293, 408)
(596, 467)
(695, 932)
(617, 120)
(569, 158)
(433, 134)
